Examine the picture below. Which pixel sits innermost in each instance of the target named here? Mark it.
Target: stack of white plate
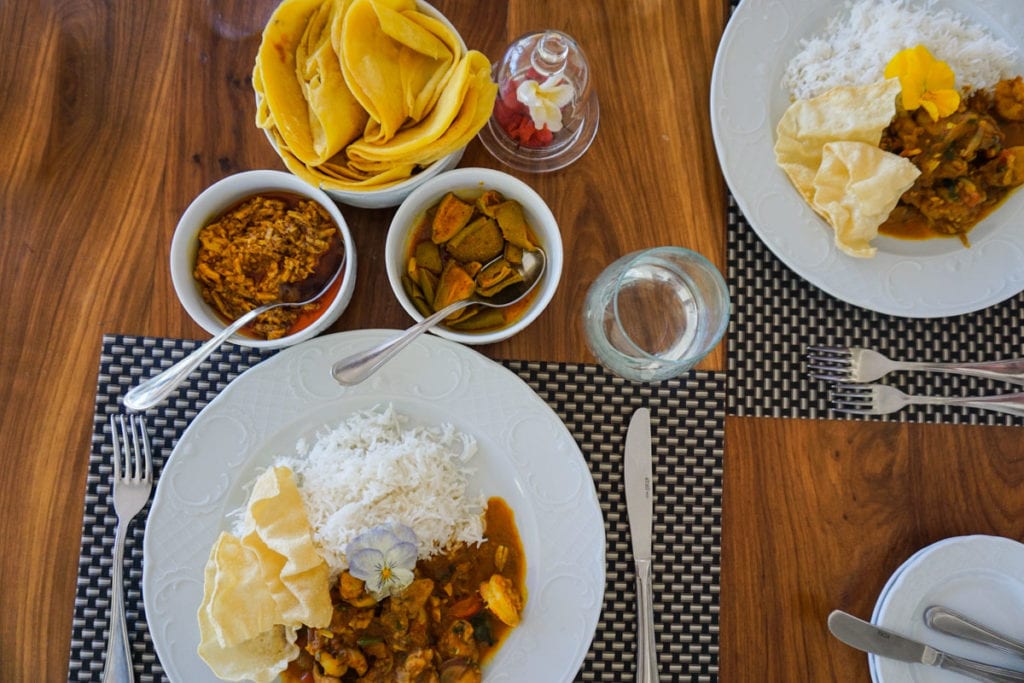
(980, 576)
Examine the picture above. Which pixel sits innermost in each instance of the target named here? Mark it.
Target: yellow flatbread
(432, 90)
(335, 115)
(303, 124)
(392, 63)
(362, 94)
(471, 83)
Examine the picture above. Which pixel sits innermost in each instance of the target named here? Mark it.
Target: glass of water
(654, 314)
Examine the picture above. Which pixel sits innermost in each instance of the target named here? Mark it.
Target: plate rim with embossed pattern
(914, 279)
(526, 455)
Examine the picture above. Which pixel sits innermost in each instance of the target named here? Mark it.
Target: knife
(884, 643)
(640, 508)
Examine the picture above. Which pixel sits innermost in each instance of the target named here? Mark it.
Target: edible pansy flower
(384, 558)
(926, 82)
(545, 101)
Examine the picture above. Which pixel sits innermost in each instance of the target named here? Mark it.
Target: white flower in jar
(545, 100)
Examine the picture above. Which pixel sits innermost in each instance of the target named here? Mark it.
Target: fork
(881, 399)
(132, 484)
(840, 364)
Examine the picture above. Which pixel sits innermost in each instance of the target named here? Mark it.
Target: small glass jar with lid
(546, 113)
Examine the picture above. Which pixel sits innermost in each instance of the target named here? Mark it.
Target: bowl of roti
(368, 99)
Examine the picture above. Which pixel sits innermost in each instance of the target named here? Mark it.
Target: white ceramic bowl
(473, 181)
(217, 199)
(394, 194)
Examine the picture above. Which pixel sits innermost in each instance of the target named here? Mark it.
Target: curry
(465, 246)
(455, 614)
(970, 161)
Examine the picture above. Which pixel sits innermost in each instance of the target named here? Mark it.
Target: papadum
(828, 147)
(855, 189)
(260, 588)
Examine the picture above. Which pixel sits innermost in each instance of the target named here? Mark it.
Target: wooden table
(117, 114)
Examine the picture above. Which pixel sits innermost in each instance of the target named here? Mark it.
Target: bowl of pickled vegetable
(463, 233)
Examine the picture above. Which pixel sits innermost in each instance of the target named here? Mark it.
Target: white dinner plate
(526, 455)
(915, 279)
(884, 593)
(980, 576)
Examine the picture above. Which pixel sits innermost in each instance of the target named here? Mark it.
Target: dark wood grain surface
(116, 114)
(818, 514)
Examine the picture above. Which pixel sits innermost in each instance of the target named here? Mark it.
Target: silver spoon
(359, 366)
(953, 623)
(155, 389)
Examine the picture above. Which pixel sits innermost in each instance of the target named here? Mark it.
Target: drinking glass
(654, 314)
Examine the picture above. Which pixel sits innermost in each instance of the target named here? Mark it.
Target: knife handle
(646, 651)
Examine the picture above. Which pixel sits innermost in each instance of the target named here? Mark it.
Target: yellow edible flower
(926, 82)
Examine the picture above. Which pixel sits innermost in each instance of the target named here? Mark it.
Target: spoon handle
(359, 366)
(956, 624)
(149, 392)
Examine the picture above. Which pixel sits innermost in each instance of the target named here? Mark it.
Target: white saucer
(980, 576)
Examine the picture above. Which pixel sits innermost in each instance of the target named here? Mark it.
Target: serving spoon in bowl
(360, 366)
(151, 391)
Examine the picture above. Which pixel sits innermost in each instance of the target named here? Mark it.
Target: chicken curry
(440, 629)
(969, 161)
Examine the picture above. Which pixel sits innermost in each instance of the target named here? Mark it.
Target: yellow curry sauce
(440, 628)
(970, 161)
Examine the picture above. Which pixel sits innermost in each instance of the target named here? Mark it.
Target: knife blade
(639, 479)
(885, 643)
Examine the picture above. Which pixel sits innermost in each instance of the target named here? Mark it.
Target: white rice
(374, 468)
(857, 45)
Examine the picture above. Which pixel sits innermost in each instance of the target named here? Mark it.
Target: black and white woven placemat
(776, 315)
(688, 419)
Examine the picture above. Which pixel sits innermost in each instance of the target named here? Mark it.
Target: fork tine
(852, 398)
(829, 363)
(116, 441)
(143, 455)
(822, 363)
(853, 387)
(135, 466)
(830, 376)
(844, 370)
(854, 392)
(852, 411)
(830, 351)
